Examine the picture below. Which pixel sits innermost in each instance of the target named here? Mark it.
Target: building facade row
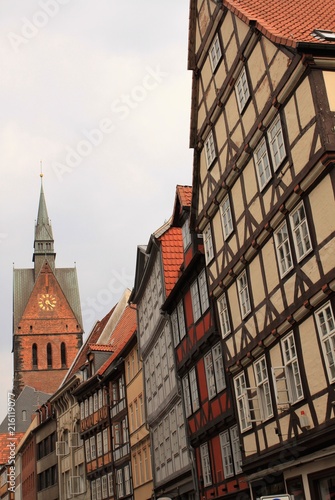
(214, 377)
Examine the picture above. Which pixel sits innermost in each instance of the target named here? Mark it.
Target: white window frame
(227, 456)
(199, 296)
(190, 390)
(300, 232)
(242, 89)
(243, 294)
(215, 52)
(283, 249)
(214, 369)
(99, 444)
(88, 450)
(187, 395)
(186, 233)
(262, 164)
(100, 398)
(210, 152)
(93, 448)
(223, 311)
(196, 308)
(292, 369)
(208, 244)
(203, 291)
(95, 402)
(226, 217)
(235, 444)
(178, 323)
(105, 441)
(326, 327)
(242, 402)
(104, 486)
(94, 490)
(99, 492)
(263, 388)
(110, 484)
(194, 389)
(205, 464)
(119, 483)
(127, 482)
(276, 143)
(210, 378)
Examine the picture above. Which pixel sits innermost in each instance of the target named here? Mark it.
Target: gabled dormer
(181, 217)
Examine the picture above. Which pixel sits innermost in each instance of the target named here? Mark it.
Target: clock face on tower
(47, 302)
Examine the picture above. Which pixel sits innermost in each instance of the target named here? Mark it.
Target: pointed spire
(44, 241)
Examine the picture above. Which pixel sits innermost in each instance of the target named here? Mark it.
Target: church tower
(47, 321)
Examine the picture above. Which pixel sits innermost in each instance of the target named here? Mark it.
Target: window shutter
(280, 384)
(254, 411)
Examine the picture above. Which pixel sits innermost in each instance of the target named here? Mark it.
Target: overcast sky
(100, 92)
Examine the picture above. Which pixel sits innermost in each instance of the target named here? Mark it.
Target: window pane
(300, 231)
(242, 90)
(226, 217)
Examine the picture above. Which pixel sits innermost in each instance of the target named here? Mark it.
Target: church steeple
(44, 241)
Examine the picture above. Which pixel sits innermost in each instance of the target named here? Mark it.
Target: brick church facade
(47, 322)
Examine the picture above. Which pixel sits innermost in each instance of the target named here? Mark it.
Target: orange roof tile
(287, 22)
(5, 439)
(172, 256)
(100, 347)
(183, 199)
(185, 195)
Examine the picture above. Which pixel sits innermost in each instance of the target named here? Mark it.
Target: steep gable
(47, 303)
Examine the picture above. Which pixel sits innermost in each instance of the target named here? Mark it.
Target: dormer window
(186, 234)
(327, 35)
(210, 150)
(215, 52)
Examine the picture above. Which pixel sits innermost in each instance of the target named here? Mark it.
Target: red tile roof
(183, 199)
(5, 439)
(172, 256)
(285, 21)
(185, 195)
(92, 339)
(124, 330)
(100, 347)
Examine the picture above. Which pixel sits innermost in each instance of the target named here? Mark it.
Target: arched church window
(34, 356)
(63, 354)
(49, 355)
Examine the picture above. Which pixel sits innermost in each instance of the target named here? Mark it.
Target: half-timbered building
(71, 478)
(139, 436)
(212, 428)
(157, 269)
(263, 133)
(104, 424)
